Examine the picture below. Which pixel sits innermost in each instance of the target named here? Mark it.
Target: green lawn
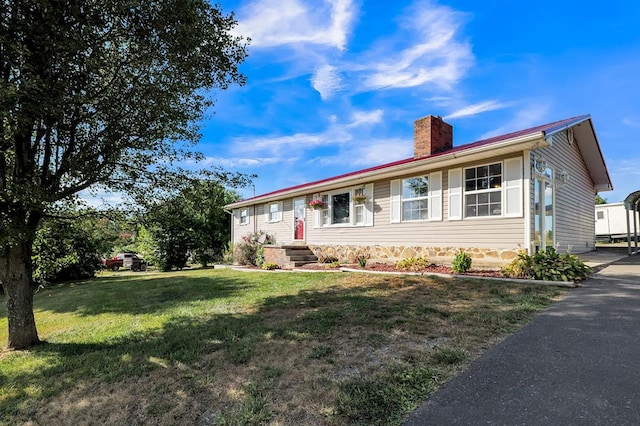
(227, 347)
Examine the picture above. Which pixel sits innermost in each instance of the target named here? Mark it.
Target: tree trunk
(16, 277)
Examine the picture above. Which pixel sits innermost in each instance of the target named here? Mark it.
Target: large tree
(193, 222)
(96, 92)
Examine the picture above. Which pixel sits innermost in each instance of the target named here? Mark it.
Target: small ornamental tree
(101, 92)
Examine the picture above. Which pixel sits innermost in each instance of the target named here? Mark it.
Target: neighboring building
(522, 191)
(612, 220)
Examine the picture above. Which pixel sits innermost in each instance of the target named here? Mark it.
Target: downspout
(230, 213)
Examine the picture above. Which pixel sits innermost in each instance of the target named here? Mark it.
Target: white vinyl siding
(574, 210)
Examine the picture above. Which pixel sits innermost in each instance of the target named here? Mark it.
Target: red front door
(299, 210)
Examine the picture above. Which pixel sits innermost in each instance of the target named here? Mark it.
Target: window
(346, 207)
(275, 212)
(244, 217)
(340, 208)
(483, 190)
(415, 198)
(600, 215)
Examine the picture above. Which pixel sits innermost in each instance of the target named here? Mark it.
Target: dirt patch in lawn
(349, 349)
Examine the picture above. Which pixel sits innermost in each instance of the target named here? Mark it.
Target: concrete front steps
(289, 256)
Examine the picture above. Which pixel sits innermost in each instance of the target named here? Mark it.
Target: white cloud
(625, 176)
(360, 118)
(271, 23)
(326, 81)
(436, 57)
(631, 122)
(532, 115)
(240, 162)
(477, 109)
(335, 134)
(371, 153)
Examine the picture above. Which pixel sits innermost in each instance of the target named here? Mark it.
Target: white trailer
(611, 222)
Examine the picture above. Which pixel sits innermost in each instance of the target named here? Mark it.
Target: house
(519, 192)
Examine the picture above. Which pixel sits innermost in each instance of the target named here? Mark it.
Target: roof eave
(446, 159)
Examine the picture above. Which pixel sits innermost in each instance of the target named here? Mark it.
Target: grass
(233, 348)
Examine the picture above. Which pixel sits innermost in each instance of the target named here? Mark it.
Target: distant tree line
(188, 227)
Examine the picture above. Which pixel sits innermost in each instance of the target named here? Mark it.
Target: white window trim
(511, 189)
(278, 218)
(367, 205)
(434, 198)
(245, 215)
(483, 191)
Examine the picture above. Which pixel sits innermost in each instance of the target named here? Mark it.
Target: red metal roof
(546, 129)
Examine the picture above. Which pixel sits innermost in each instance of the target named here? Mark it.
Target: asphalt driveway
(577, 363)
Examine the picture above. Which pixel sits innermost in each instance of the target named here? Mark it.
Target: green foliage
(333, 265)
(412, 263)
(600, 200)
(270, 266)
(227, 254)
(385, 398)
(147, 246)
(64, 250)
(104, 95)
(254, 409)
(548, 265)
(321, 351)
(461, 263)
(247, 252)
(362, 261)
(191, 223)
(448, 356)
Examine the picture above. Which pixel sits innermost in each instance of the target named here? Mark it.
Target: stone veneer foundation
(482, 257)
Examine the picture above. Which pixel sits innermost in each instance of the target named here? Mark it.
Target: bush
(548, 265)
(249, 250)
(461, 263)
(270, 266)
(413, 263)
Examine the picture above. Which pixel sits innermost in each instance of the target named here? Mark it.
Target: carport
(632, 207)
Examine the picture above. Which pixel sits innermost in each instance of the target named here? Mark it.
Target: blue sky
(335, 86)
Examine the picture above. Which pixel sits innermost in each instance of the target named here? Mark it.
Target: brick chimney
(430, 136)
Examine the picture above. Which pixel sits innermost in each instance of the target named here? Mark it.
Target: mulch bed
(383, 267)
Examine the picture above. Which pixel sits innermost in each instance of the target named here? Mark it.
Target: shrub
(548, 265)
(461, 263)
(323, 258)
(362, 261)
(412, 263)
(270, 266)
(248, 250)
